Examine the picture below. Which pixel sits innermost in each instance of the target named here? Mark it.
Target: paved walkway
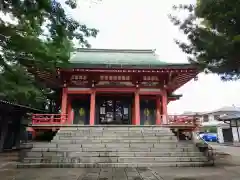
(227, 155)
(233, 150)
(207, 173)
(8, 172)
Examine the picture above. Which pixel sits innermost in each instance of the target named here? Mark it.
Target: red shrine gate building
(109, 86)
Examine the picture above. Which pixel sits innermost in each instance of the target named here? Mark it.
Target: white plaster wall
(235, 134)
(211, 117)
(239, 132)
(238, 135)
(220, 135)
(201, 119)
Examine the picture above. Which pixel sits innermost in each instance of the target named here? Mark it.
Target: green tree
(35, 35)
(213, 31)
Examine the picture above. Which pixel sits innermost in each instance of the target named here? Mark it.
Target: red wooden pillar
(158, 110)
(64, 105)
(137, 108)
(133, 114)
(70, 111)
(92, 108)
(164, 106)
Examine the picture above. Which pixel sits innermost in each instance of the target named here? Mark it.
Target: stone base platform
(114, 146)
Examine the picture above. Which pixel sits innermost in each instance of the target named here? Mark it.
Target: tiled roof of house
(229, 109)
(7, 103)
(230, 117)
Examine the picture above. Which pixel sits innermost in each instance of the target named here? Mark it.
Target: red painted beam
(115, 90)
(79, 91)
(150, 93)
(99, 90)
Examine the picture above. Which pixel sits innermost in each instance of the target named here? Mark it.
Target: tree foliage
(213, 31)
(35, 33)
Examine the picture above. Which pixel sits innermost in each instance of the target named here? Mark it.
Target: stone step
(133, 149)
(90, 128)
(114, 138)
(113, 146)
(85, 141)
(116, 131)
(115, 135)
(116, 145)
(112, 159)
(115, 128)
(112, 154)
(105, 165)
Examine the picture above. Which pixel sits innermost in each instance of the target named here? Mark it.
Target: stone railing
(204, 147)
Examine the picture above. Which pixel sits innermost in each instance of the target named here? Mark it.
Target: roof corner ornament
(207, 70)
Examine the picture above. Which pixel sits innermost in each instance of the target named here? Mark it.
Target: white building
(230, 130)
(226, 130)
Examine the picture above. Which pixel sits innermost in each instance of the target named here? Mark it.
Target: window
(216, 117)
(205, 118)
(238, 122)
(234, 123)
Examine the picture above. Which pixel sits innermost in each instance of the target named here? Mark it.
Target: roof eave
(176, 96)
(127, 66)
(21, 106)
(115, 50)
(229, 119)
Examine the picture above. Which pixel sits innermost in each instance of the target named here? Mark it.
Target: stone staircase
(114, 146)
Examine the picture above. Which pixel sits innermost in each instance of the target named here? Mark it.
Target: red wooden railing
(49, 119)
(182, 120)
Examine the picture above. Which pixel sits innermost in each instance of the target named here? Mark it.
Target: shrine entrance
(113, 110)
(147, 112)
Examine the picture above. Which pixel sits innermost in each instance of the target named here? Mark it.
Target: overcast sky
(143, 24)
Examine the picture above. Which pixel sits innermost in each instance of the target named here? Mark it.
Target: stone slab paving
(206, 173)
(227, 154)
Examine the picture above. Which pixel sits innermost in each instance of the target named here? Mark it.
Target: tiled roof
(230, 117)
(113, 57)
(228, 108)
(178, 96)
(3, 102)
(224, 109)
